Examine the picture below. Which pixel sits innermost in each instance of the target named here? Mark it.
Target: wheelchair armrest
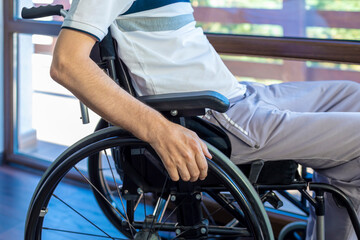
(187, 103)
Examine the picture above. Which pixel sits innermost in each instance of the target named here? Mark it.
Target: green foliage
(334, 5)
(242, 28)
(251, 59)
(329, 5)
(263, 4)
(333, 33)
(338, 66)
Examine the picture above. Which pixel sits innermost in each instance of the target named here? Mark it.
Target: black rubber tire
(288, 232)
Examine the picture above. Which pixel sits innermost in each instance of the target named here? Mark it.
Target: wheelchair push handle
(43, 11)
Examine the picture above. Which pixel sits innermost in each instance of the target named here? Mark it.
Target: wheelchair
(135, 193)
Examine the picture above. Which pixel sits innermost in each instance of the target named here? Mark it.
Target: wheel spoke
(144, 203)
(98, 191)
(81, 233)
(118, 191)
(92, 223)
(227, 204)
(171, 213)
(221, 208)
(162, 193)
(165, 207)
(207, 212)
(181, 234)
(138, 201)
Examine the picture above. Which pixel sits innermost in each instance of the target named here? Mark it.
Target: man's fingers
(193, 170)
(172, 171)
(184, 173)
(205, 150)
(202, 166)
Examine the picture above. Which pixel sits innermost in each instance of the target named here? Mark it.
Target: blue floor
(16, 188)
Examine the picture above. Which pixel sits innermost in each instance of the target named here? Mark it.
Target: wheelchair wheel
(293, 231)
(148, 206)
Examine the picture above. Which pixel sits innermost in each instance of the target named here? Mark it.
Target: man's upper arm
(94, 17)
(86, 22)
(72, 44)
(72, 50)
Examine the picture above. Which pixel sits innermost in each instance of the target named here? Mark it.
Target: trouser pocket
(235, 126)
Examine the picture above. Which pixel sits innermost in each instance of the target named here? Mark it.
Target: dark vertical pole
(8, 81)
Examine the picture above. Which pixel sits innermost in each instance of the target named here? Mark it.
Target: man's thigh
(260, 129)
(318, 96)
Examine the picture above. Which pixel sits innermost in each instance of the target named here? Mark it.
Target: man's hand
(182, 152)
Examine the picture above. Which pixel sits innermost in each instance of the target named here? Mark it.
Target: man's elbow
(54, 72)
(59, 68)
(71, 53)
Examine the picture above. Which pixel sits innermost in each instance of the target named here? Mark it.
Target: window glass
(290, 18)
(48, 115)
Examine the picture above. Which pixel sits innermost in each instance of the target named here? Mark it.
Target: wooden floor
(16, 188)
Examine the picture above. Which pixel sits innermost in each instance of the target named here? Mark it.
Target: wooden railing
(294, 20)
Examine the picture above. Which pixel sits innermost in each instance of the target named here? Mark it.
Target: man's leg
(313, 123)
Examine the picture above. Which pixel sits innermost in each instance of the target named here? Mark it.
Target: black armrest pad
(187, 101)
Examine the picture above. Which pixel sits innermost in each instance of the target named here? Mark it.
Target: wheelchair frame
(173, 106)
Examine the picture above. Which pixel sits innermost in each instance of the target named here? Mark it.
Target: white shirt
(161, 47)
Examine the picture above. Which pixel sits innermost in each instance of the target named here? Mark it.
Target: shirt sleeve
(94, 16)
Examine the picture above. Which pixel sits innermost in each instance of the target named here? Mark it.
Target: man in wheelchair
(314, 123)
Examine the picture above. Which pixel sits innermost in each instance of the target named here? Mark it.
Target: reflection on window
(272, 71)
(328, 19)
(243, 28)
(266, 4)
(336, 66)
(333, 33)
(331, 5)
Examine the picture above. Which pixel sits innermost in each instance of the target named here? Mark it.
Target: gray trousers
(316, 124)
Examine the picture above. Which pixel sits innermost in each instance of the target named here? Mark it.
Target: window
(301, 18)
(322, 19)
(45, 116)
(48, 115)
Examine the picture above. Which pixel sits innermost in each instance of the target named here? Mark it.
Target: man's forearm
(94, 88)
